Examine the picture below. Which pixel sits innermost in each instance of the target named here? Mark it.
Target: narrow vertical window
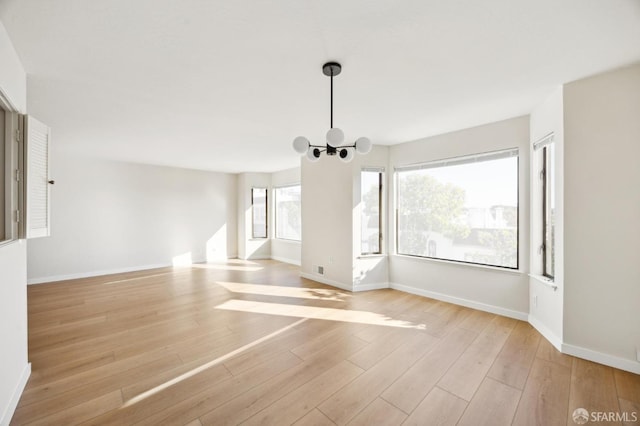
(371, 220)
(259, 212)
(548, 214)
(288, 212)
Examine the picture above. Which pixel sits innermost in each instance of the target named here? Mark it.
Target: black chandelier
(335, 136)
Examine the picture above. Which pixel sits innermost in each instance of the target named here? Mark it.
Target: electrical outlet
(320, 270)
(535, 300)
(638, 353)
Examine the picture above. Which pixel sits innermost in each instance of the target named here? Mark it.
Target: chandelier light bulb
(301, 145)
(313, 155)
(335, 137)
(346, 154)
(363, 145)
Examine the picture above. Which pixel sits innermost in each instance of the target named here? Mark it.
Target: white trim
(6, 103)
(96, 273)
(546, 332)
(548, 282)
(326, 281)
(456, 263)
(259, 257)
(15, 398)
(368, 287)
(286, 260)
(543, 141)
(522, 316)
(464, 159)
(602, 358)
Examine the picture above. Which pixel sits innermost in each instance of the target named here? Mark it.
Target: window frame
(380, 171)
(13, 171)
(452, 161)
(547, 176)
(266, 213)
(275, 211)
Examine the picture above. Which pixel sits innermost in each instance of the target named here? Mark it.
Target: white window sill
(459, 264)
(545, 281)
(371, 256)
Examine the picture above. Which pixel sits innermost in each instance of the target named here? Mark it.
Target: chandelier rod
(331, 109)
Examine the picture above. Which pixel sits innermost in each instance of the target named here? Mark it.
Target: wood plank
(354, 397)
(246, 405)
(198, 403)
(545, 399)
(631, 412)
(494, 404)
(627, 385)
(411, 388)
(513, 363)
(286, 341)
(82, 412)
(150, 402)
(438, 408)
(547, 352)
(314, 418)
(299, 402)
(467, 373)
(380, 348)
(379, 413)
(477, 321)
(55, 397)
(592, 388)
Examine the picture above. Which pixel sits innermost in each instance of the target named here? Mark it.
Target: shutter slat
(38, 137)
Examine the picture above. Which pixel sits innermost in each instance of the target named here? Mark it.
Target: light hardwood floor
(253, 343)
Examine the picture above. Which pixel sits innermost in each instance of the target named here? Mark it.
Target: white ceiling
(227, 85)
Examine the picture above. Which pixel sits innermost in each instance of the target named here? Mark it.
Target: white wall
(14, 366)
(500, 291)
(602, 212)
(546, 305)
(13, 79)
(249, 247)
(327, 226)
(284, 250)
(110, 216)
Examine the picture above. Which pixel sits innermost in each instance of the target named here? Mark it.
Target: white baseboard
(286, 260)
(463, 302)
(258, 257)
(602, 358)
(372, 286)
(15, 398)
(95, 273)
(326, 281)
(546, 332)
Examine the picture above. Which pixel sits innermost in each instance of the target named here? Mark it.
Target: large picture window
(288, 212)
(371, 219)
(259, 212)
(461, 209)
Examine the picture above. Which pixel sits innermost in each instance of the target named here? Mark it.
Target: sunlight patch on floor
(330, 314)
(209, 364)
(274, 290)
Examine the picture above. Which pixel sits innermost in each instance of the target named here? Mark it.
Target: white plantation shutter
(37, 138)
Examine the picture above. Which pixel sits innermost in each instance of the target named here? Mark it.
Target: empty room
(302, 212)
